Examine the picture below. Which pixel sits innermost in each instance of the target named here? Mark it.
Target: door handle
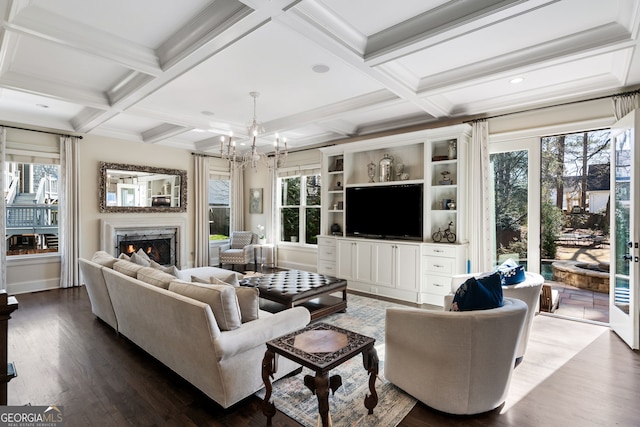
(627, 257)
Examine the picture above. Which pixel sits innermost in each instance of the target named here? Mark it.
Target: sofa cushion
(127, 267)
(104, 259)
(155, 277)
(221, 298)
(481, 293)
(171, 269)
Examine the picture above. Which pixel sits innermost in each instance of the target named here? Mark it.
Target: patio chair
(549, 299)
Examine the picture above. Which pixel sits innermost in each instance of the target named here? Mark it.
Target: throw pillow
(196, 279)
(155, 277)
(481, 293)
(511, 273)
(221, 298)
(140, 260)
(248, 298)
(124, 257)
(104, 259)
(170, 269)
(143, 254)
(249, 302)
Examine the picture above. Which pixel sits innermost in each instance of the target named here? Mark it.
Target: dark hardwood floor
(65, 356)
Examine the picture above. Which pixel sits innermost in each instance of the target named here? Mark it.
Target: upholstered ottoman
(294, 287)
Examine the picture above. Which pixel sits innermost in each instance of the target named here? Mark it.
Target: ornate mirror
(132, 188)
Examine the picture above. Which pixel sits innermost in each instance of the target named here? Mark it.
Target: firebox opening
(159, 248)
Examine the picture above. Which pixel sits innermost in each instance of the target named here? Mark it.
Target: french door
(625, 238)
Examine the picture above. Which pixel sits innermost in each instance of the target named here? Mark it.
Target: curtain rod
(597, 98)
(41, 131)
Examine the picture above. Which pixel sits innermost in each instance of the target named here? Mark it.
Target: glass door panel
(510, 172)
(624, 258)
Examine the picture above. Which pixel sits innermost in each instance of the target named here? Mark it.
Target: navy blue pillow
(478, 294)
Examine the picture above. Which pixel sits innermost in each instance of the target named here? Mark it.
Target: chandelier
(253, 157)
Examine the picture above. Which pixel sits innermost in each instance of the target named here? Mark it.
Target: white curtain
(480, 209)
(3, 212)
(201, 205)
(237, 198)
(624, 104)
(68, 216)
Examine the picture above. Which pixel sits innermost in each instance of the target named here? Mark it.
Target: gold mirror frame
(104, 166)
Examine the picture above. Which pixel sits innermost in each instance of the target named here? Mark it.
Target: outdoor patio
(581, 304)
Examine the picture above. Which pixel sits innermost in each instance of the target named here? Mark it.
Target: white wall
(93, 150)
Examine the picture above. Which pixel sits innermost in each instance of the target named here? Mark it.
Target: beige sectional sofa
(185, 333)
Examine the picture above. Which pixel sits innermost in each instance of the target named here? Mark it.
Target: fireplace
(163, 239)
(160, 247)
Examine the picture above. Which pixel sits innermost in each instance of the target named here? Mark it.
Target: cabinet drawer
(327, 253)
(327, 267)
(439, 250)
(439, 285)
(436, 265)
(328, 241)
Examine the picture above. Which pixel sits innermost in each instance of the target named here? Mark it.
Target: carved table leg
(268, 369)
(370, 360)
(320, 385)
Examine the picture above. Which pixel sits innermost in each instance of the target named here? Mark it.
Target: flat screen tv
(385, 212)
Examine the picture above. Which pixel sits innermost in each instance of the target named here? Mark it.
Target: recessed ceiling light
(207, 113)
(42, 105)
(320, 68)
(516, 80)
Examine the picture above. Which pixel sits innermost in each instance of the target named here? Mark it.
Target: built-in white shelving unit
(406, 270)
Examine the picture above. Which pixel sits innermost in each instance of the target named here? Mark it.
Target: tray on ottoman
(295, 287)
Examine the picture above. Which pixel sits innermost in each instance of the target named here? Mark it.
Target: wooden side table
(320, 347)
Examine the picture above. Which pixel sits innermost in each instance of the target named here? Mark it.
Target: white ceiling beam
(163, 131)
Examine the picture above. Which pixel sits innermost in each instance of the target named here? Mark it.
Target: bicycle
(447, 234)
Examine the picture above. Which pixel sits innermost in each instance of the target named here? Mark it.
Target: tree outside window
(300, 209)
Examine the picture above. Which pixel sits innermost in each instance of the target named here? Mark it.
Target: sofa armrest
(256, 333)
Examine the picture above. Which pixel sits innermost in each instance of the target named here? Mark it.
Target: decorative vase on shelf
(371, 171)
(453, 149)
(262, 240)
(386, 168)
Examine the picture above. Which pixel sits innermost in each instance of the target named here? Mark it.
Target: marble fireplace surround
(110, 228)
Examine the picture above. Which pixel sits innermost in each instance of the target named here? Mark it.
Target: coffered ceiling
(179, 73)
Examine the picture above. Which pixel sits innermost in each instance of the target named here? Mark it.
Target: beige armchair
(241, 249)
(527, 291)
(455, 362)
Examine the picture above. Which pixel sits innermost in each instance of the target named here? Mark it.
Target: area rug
(365, 316)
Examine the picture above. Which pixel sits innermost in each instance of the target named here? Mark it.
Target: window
(219, 206)
(31, 193)
(300, 207)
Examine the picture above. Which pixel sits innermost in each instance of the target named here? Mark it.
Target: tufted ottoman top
(289, 286)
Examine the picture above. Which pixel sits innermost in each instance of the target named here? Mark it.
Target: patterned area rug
(365, 316)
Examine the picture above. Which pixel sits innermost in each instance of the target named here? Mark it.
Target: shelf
(336, 210)
(335, 172)
(336, 191)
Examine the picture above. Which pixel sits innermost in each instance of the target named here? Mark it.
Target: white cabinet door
(383, 264)
(345, 259)
(364, 261)
(407, 267)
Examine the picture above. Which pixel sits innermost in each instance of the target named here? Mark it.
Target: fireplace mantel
(109, 228)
